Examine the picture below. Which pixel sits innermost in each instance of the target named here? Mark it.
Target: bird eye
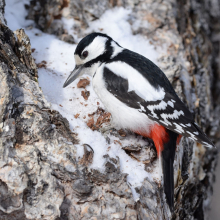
(85, 54)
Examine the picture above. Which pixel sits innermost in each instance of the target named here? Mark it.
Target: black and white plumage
(139, 97)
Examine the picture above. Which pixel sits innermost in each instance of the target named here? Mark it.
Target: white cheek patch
(95, 49)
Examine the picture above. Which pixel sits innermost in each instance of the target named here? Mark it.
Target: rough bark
(40, 174)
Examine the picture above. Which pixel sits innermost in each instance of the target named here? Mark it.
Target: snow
(15, 14)
(115, 23)
(69, 102)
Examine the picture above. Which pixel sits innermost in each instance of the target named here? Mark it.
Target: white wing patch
(175, 115)
(206, 144)
(142, 108)
(183, 125)
(160, 106)
(164, 122)
(178, 128)
(192, 136)
(116, 49)
(136, 82)
(171, 104)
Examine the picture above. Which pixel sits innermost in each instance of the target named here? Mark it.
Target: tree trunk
(37, 145)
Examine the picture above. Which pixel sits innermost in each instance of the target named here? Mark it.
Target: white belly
(123, 116)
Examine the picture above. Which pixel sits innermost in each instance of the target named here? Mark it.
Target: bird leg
(109, 129)
(106, 130)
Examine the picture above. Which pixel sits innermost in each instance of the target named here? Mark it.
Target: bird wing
(158, 103)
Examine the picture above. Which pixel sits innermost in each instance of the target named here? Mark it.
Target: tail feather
(168, 182)
(165, 142)
(168, 155)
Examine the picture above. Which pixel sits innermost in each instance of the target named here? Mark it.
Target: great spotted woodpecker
(139, 97)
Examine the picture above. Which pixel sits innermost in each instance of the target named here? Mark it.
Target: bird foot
(110, 130)
(106, 129)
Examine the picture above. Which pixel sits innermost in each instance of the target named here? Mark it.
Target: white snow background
(60, 62)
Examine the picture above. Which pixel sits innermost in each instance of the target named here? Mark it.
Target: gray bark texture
(36, 143)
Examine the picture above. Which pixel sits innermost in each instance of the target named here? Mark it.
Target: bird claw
(106, 130)
(110, 130)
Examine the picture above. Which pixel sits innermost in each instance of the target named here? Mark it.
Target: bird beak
(75, 73)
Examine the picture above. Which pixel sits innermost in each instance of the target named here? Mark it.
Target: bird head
(91, 52)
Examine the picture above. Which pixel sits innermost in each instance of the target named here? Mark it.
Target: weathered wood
(40, 174)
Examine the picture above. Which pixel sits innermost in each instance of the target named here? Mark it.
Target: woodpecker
(139, 97)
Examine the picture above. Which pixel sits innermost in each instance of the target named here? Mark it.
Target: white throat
(92, 70)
